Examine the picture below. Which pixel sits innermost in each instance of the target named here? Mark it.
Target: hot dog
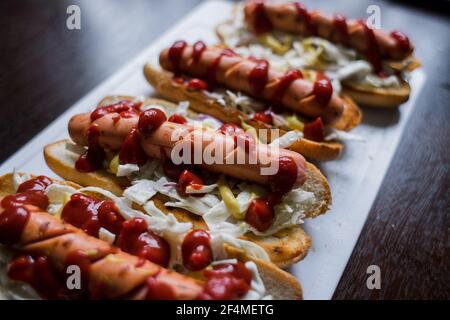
(255, 78)
(262, 16)
(111, 272)
(113, 132)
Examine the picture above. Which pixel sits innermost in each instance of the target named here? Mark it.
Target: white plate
(354, 179)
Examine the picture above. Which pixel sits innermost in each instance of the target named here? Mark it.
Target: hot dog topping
(211, 73)
(283, 84)
(131, 150)
(137, 240)
(197, 85)
(196, 250)
(90, 214)
(94, 156)
(189, 179)
(177, 118)
(227, 281)
(314, 130)
(262, 22)
(175, 53)
(340, 24)
(304, 16)
(260, 214)
(198, 48)
(15, 216)
(150, 120)
(373, 51)
(402, 41)
(283, 181)
(323, 90)
(259, 76)
(125, 108)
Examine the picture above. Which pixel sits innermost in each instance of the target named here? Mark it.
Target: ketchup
(227, 281)
(212, 68)
(323, 90)
(15, 216)
(158, 290)
(264, 116)
(175, 53)
(284, 83)
(150, 120)
(38, 272)
(258, 76)
(131, 150)
(197, 85)
(402, 41)
(137, 240)
(93, 158)
(177, 118)
(261, 22)
(90, 214)
(198, 49)
(35, 198)
(12, 223)
(314, 130)
(340, 25)
(305, 17)
(124, 107)
(372, 51)
(186, 179)
(36, 184)
(196, 250)
(286, 176)
(260, 214)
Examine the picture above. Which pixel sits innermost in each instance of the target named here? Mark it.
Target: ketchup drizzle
(212, 69)
(175, 53)
(94, 156)
(261, 22)
(341, 27)
(258, 76)
(372, 52)
(284, 83)
(305, 16)
(198, 49)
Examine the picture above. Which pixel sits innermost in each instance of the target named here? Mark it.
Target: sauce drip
(340, 25)
(131, 150)
(283, 84)
(90, 214)
(402, 41)
(125, 108)
(261, 22)
(304, 16)
(314, 130)
(260, 214)
(189, 179)
(212, 69)
(226, 281)
(94, 156)
(198, 49)
(196, 250)
(150, 120)
(136, 239)
(258, 76)
(372, 52)
(175, 53)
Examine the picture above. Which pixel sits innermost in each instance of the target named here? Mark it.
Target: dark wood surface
(45, 68)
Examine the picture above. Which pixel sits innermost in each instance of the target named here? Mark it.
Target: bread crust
(279, 283)
(322, 151)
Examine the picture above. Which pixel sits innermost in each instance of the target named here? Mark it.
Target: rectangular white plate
(354, 179)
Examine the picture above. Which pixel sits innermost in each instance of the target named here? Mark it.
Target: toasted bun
(280, 284)
(162, 81)
(378, 97)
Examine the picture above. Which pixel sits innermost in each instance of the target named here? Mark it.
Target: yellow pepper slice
(114, 164)
(229, 199)
(294, 123)
(277, 47)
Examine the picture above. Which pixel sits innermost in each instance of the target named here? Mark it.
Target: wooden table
(45, 68)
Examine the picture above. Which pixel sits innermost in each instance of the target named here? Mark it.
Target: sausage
(112, 273)
(234, 72)
(113, 133)
(286, 17)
